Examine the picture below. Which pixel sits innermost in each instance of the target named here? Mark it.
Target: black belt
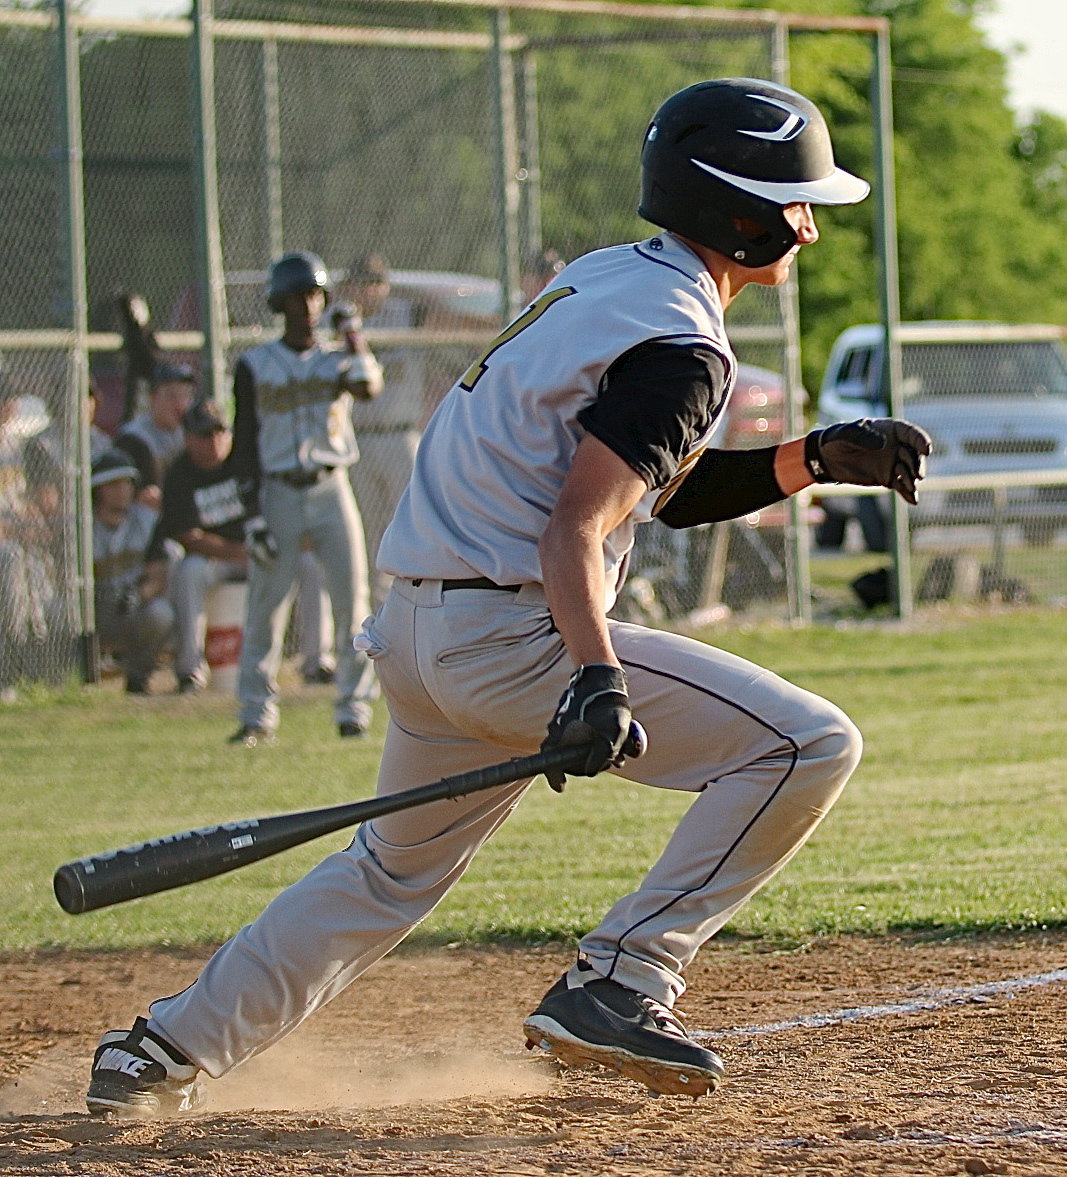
(475, 582)
(302, 478)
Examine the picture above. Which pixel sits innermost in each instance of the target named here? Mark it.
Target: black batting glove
(594, 710)
(260, 543)
(880, 451)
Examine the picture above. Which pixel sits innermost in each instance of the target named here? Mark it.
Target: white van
(993, 397)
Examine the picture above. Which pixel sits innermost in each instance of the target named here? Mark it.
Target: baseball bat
(176, 860)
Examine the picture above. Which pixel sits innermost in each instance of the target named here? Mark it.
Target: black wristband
(813, 457)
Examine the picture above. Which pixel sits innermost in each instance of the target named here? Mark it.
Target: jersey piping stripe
(620, 951)
(651, 257)
(685, 273)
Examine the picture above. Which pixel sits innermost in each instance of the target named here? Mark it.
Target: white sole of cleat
(659, 1077)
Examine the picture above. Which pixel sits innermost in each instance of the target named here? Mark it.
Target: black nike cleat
(138, 1075)
(584, 1022)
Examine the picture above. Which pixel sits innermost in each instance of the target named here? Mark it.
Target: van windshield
(1021, 370)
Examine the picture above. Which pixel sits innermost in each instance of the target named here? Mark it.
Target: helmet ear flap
(712, 219)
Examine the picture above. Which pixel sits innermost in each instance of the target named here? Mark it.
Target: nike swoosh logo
(796, 121)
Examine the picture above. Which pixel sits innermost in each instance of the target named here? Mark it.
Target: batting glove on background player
(345, 318)
(594, 710)
(260, 543)
(869, 452)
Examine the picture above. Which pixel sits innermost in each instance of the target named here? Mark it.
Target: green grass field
(956, 820)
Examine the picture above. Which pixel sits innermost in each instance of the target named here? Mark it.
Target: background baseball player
(293, 444)
(203, 512)
(590, 414)
(154, 438)
(134, 618)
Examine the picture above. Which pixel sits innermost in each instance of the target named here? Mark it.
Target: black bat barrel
(178, 859)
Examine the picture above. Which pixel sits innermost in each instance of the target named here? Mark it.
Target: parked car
(993, 397)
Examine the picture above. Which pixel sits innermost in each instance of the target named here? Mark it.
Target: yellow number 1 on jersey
(533, 312)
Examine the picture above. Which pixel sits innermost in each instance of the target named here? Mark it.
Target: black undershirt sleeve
(245, 454)
(724, 484)
(654, 403)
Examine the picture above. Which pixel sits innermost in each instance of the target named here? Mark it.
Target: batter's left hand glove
(870, 452)
(594, 710)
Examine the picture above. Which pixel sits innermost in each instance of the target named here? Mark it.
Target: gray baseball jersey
(497, 450)
(302, 405)
(473, 672)
(119, 552)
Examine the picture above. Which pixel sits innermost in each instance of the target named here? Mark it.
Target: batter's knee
(836, 746)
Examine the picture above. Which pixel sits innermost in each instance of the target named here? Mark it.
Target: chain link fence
(459, 142)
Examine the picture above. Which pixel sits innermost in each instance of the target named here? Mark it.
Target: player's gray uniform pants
(190, 580)
(472, 677)
(326, 515)
(138, 638)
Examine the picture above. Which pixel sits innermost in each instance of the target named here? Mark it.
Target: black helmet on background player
(296, 273)
(733, 148)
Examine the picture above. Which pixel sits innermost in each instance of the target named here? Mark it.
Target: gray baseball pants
(191, 578)
(471, 677)
(326, 515)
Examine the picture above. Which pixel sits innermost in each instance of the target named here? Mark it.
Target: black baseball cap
(204, 417)
(166, 372)
(112, 465)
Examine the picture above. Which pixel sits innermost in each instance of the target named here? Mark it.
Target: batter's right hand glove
(594, 710)
(879, 452)
(260, 543)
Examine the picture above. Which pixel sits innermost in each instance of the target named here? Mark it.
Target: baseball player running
(293, 444)
(590, 414)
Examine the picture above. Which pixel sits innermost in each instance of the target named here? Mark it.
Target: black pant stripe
(755, 818)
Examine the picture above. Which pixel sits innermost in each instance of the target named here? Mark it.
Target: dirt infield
(854, 1056)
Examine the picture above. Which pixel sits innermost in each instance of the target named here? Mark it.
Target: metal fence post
(507, 161)
(797, 539)
(211, 281)
(272, 149)
(75, 305)
(530, 173)
(889, 291)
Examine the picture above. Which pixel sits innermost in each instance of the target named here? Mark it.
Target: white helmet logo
(790, 129)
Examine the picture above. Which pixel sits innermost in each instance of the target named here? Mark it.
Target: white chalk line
(1041, 1134)
(934, 999)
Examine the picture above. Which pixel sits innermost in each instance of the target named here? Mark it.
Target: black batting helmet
(295, 273)
(739, 148)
